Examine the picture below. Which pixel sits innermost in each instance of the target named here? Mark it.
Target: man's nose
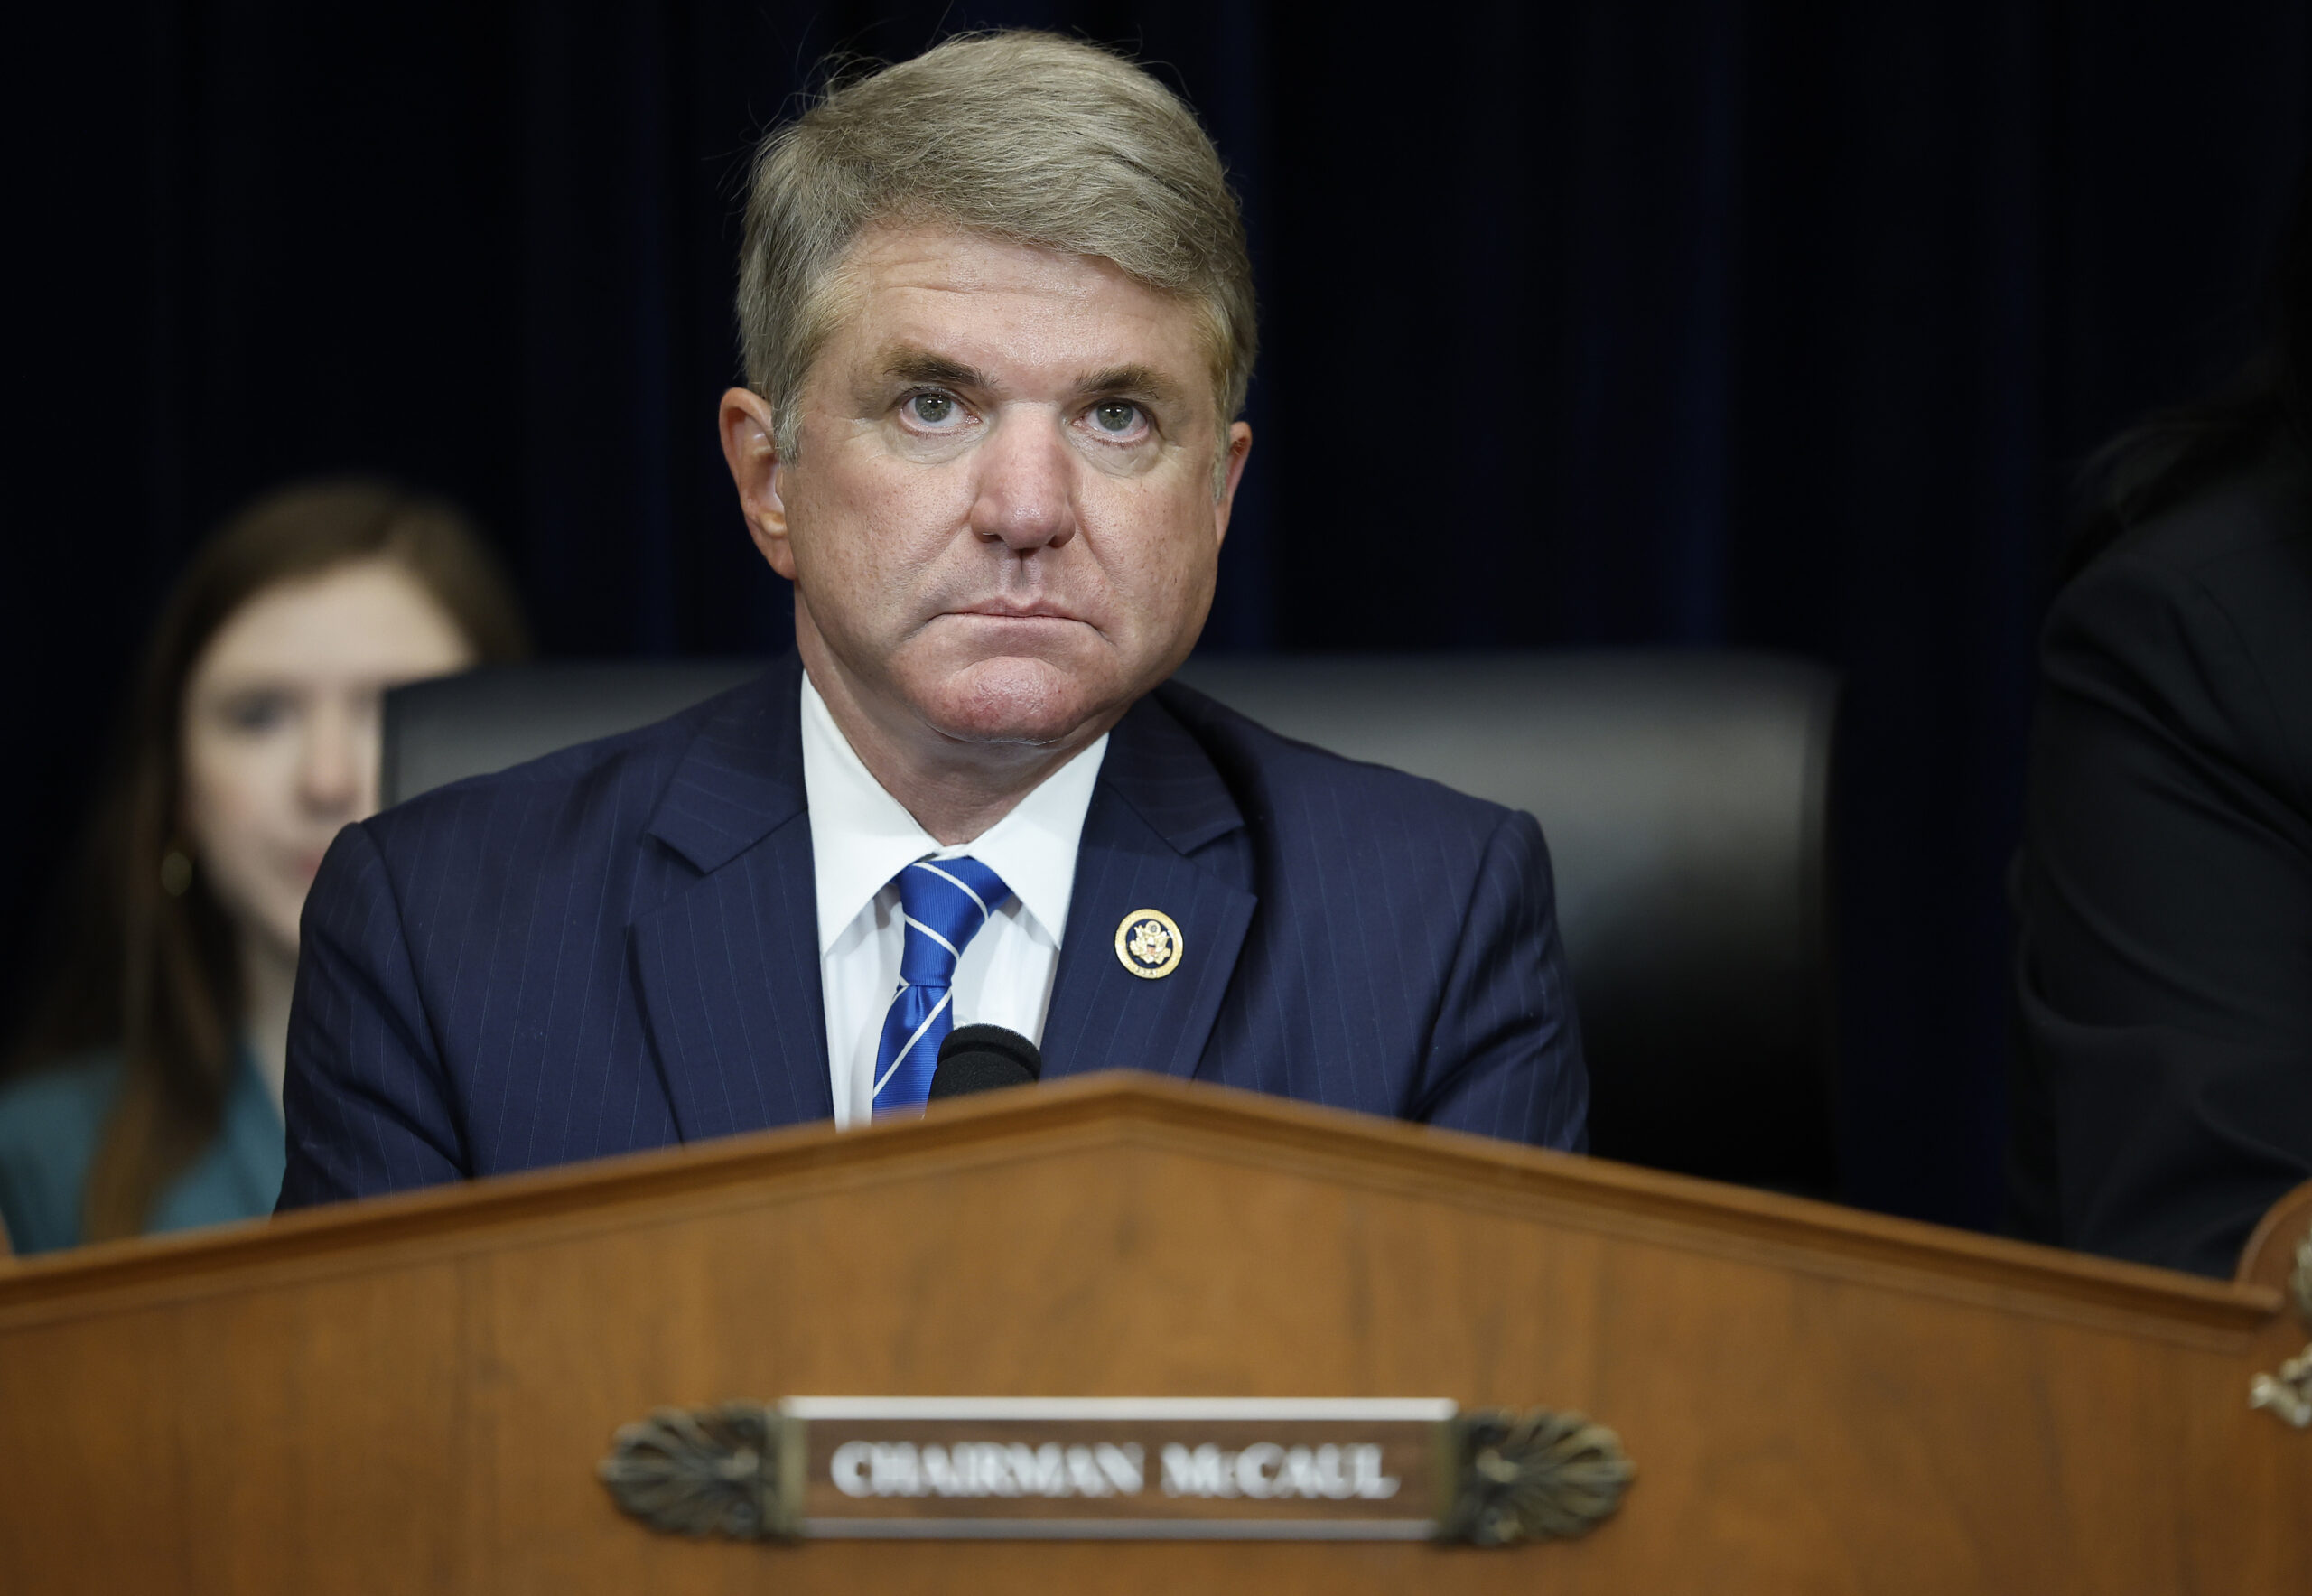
(1027, 485)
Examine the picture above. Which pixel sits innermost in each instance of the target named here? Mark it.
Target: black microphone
(982, 1058)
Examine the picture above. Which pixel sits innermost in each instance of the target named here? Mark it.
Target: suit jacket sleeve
(2164, 977)
(1504, 1056)
(367, 1101)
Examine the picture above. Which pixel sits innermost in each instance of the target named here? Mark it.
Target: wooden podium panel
(413, 1393)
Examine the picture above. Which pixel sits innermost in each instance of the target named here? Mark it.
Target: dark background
(1692, 323)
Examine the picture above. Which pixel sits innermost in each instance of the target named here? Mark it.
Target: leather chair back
(1686, 797)
(447, 729)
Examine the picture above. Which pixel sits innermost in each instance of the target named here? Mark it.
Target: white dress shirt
(862, 836)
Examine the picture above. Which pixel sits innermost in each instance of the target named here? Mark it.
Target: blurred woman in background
(146, 1095)
(2163, 1092)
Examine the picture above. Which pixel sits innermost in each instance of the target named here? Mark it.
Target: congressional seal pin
(1147, 944)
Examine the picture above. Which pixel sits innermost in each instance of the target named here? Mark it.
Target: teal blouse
(51, 1120)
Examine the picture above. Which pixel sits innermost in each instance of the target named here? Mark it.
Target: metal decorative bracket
(718, 1471)
(1534, 1476)
(2288, 1396)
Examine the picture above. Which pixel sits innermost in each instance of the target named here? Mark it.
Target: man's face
(1000, 520)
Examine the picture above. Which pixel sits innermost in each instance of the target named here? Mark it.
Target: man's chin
(1040, 702)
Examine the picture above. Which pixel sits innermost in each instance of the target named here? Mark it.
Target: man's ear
(1232, 472)
(750, 449)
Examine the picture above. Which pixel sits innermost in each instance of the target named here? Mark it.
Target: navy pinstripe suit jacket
(616, 947)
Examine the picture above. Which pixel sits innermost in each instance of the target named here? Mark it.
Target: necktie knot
(944, 903)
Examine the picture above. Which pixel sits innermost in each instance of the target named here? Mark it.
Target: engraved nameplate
(1143, 1468)
(1267, 1469)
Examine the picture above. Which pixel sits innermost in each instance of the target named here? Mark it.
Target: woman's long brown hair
(159, 975)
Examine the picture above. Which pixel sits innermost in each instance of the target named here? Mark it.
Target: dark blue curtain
(1696, 323)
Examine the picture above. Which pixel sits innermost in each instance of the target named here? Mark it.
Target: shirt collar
(862, 836)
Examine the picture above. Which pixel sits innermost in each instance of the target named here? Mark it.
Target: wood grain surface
(412, 1394)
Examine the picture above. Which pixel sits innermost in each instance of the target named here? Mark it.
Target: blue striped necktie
(944, 903)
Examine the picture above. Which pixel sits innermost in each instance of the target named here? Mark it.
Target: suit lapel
(728, 966)
(1158, 805)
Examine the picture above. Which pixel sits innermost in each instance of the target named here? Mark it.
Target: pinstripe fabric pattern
(616, 947)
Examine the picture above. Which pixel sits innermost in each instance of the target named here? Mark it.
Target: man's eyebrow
(913, 365)
(1128, 379)
(910, 365)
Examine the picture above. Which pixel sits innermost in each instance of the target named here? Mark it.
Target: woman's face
(281, 734)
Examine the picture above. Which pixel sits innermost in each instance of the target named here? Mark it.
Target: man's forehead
(914, 298)
(934, 257)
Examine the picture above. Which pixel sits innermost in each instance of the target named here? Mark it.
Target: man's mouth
(999, 611)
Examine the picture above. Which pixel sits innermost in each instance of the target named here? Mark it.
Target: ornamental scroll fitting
(2288, 1396)
(1537, 1476)
(716, 1472)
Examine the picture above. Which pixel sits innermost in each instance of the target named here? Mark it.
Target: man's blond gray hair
(1025, 136)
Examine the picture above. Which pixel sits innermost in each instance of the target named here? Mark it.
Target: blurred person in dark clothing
(147, 1093)
(2163, 1094)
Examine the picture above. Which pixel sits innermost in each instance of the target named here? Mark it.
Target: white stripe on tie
(937, 1009)
(985, 913)
(952, 951)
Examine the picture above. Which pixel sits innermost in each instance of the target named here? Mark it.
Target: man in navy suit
(997, 319)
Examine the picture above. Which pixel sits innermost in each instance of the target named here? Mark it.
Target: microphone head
(982, 1058)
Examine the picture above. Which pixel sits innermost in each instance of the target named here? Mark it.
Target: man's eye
(1115, 416)
(932, 409)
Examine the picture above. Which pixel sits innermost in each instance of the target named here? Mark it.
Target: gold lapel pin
(1147, 944)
